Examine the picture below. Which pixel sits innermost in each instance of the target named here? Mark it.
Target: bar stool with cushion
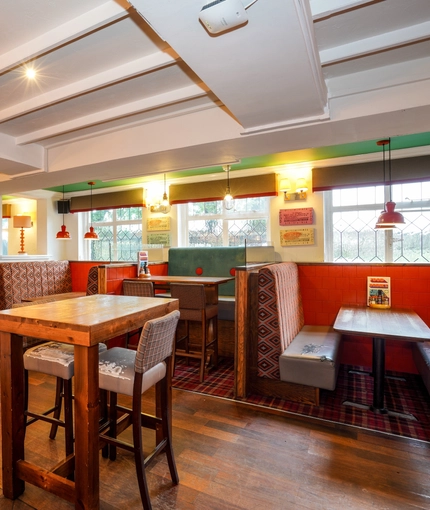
(141, 289)
(56, 359)
(196, 305)
(132, 373)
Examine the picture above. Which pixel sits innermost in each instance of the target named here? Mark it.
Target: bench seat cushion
(421, 353)
(312, 358)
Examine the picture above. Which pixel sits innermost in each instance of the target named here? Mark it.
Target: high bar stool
(132, 373)
(56, 359)
(196, 305)
(140, 289)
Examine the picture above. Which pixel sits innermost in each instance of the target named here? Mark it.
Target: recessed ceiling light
(30, 72)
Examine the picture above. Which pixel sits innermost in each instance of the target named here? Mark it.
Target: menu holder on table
(379, 291)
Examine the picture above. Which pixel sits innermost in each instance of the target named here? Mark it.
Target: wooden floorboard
(232, 456)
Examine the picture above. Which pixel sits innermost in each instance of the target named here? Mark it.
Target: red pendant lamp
(91, 235)
(389, 218)
(63, 234)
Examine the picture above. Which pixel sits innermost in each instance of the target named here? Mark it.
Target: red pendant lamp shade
(389, 218)
(91, 235)
(63, 234)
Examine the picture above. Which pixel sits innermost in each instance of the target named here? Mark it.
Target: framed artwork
(297, 237)
(160, 223)
(302, 216)
(159, 238)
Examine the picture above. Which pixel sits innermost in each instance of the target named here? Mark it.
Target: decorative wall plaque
(297, 237)
(302, 216)
(161, 223)
(159, 238)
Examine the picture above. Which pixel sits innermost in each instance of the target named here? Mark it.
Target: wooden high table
(83, 322)
(380, 324)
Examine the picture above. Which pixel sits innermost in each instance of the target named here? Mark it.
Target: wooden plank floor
(231, 456)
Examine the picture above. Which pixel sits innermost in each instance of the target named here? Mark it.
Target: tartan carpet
(405, 396)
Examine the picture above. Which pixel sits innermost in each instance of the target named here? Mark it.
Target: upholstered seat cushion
(117, 370)
(312, 358)
(53, 358)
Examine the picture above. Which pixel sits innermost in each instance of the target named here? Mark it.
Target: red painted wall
(326, 287)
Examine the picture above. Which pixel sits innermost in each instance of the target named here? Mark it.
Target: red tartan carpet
(408, 396)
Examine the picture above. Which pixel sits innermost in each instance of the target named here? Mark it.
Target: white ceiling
(121, 94)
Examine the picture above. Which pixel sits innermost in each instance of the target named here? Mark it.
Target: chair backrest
(138, 288)
(191, 297)
(156, 341)
(93, 281)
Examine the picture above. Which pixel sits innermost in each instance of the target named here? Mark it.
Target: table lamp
(22, 222)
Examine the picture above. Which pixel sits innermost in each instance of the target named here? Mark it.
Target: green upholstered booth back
(210, 261)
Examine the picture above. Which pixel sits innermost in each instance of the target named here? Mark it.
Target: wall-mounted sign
(161, 223)
(159, 238)
(297, 237)
(303, 216)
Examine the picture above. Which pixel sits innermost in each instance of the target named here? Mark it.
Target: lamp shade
(22, 221)
(63, 234)
(390, 218)
(301, 185)
(91, 235)
(285, 185)
(6, 211)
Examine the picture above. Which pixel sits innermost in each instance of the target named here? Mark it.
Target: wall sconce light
(298, 194)
(91, 235)
(6, 211)
(22, 222)
(164, 206)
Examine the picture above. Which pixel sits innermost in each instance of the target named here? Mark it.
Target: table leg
(12, 412)
(378, 371)
(86, 427)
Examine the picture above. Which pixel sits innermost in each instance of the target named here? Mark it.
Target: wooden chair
(132, 373)
(140, 289)
(56, 359)
(196, 305)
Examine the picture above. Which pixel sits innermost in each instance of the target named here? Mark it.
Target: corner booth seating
(290, 359)
(210, 261)
(22, 280)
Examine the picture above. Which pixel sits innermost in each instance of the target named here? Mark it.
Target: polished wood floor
(232, 456)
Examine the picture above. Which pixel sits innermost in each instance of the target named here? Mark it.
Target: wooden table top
(56, 297)
(86, 320)
(393, 323)
(204, 280)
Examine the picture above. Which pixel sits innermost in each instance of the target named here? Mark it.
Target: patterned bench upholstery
(287, 350)
(21, 280)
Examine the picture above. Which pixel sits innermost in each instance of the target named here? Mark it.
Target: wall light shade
(301, 185)
(22, 222)
(285, 185)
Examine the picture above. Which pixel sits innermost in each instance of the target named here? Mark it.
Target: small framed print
(159, 238)
(161, 223)
(302, 216)
(297, 237)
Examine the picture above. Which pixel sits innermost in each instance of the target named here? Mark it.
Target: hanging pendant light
(91, 235)
(228, 198)
(63, 234)
(165, 206)
(389, 218)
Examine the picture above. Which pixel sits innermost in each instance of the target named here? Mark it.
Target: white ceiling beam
(107, 13)
(125, 71)
(323, 9)
(157, 101)
(377, 43)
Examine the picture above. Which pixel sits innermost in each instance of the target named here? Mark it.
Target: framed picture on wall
(161, 223)
(297, 237)
(159, 238)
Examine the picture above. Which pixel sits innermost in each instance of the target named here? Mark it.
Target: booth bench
(288, 358)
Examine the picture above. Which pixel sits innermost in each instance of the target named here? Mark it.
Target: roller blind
(241, 187)
(371, 174)
(114, 200)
